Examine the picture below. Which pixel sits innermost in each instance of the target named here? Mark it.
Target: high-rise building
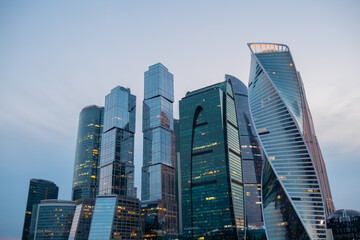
(53, 220)
(117, 146)
(211, 197)
(313, 146)
(252, 160)
(81, 222)
(178, 174)
(39, 189)
(86, 167)
(292, 193)
(117, 171)
(158, 203)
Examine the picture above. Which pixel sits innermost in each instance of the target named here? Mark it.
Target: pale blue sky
(58, 56)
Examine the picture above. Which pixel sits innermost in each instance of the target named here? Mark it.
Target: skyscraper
(117, 146)
(252, 161)
(86, 167)
(116, 210)
(39, 189)
(212, 190)
(292, 193)
(53, 219)
(158, 187)
(313, 146)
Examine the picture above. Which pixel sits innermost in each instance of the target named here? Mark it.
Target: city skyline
(41, 101)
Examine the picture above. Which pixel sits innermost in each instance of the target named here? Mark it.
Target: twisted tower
(293, 186)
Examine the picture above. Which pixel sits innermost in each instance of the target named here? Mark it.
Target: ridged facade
(313, 145)
(292, 197)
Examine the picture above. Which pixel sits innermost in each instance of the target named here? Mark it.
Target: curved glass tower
(252, 160)
(211, 198)
(86, 167)
(292, 197)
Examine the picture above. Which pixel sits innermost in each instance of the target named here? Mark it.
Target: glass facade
(158, 172)
(86, 168)
(39, 189)
(53, 219)
(117, 146)
(117, 211)
(314, 148)
(82, 219)
(252, 159)
(292, 198)
(116, 217)
(211, 192)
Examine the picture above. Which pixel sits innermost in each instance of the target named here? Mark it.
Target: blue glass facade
(117, 211)
(252, 160)
(103, 217)
(116, 217)
(158, 186)
(53, 219)
(211, 196)
(293, 206)
(117, 146)
(86, 167)
(39, 189)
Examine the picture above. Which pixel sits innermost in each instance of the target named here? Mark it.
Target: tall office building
(178, 174)
(86, 167)
(39, 189)
(212, 189)
(52, 220)
(117, 146)
(158, 203)
(81, 222)
(292, 193)
(313, 146)
(252, 161)
(117, 171)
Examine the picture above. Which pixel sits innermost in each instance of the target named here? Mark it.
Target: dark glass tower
(212, 189)
(158, 186)
(86, 168)
(53, 220)
(81, 222)
(117, 212)
(38, 190)
(252, 161)
(294, 205)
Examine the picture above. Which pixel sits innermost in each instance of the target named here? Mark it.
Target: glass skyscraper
(53, 220)
(292, 193)
(158, 187)
(117, 146)
(86, 167)
(116, 209)
(39, 189)
(252, 161)
(211, 196)
(313, 146)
